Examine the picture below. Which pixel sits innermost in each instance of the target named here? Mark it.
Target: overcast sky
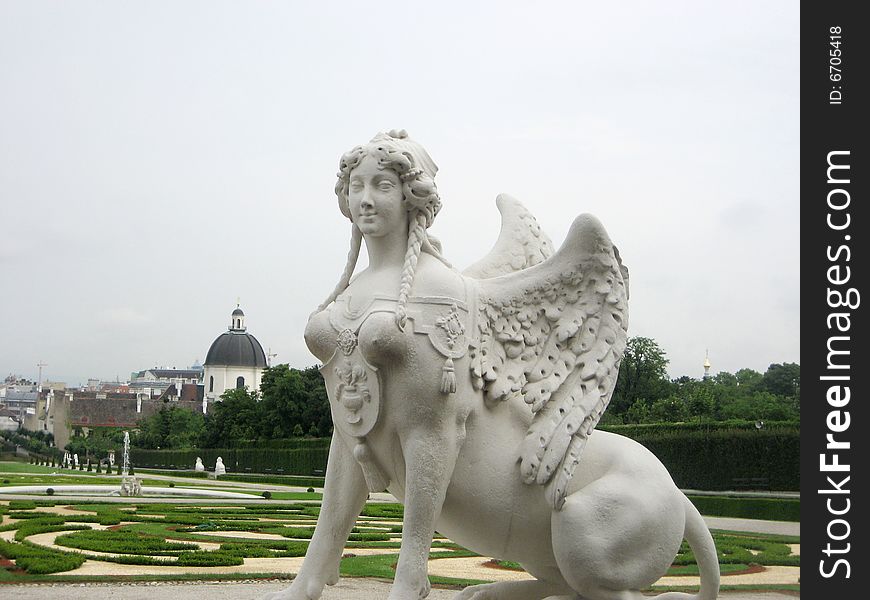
(159, 160)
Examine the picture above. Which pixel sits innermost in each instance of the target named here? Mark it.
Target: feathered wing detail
(555, 334)
(521, 242)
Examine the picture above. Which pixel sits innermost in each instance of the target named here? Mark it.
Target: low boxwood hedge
(38, 560)
(771, 509)
(123, 542)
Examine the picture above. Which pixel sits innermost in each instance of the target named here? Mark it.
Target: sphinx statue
(473, 398)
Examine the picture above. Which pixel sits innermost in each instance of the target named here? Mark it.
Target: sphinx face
(375, 199)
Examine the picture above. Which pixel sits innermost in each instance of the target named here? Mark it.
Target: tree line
(293, 403)
(290, 403)
(644, 394)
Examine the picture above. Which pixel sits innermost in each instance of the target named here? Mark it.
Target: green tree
(783, 380)
(236, 417)
(642, 375)
(668, 410)
(294, 402)
(725, 379)
(748, 378)
(283, 393)
(698, 396)
(638, 412)
(97, 443)
(701, 402)
(761, 406)
(171, 427)
(317, 414)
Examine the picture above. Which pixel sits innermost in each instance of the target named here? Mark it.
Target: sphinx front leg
(516, 590)
(429, 461)
(344, 495)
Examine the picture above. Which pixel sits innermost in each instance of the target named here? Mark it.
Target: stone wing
(554, 333)
(521, 242)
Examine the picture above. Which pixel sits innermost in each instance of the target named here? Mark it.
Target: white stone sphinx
(472, 397)
(219, 468)
(198, 467)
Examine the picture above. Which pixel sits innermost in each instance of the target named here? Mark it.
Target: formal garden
(45, 537)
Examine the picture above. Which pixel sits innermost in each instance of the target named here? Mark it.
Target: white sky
(160, 159)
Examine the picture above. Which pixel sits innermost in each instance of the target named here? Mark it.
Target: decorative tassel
(375, 478)
(448, 377)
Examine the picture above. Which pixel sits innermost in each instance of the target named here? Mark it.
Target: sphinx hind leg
(610, 541)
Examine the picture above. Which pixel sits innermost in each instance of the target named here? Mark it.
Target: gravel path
(346, 589)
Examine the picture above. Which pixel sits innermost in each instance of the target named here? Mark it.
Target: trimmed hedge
(276, 479)
(192, 474)
(719, 459)
(735, 550)
(203, 558)
(771, 509)
(704, 456)
(283, 443)
(307, 460)
(644, 429)
(123, 542)
(38, 560)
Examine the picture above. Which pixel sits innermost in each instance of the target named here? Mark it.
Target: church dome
(236, 347)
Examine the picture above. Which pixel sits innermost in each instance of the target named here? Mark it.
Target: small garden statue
(473, 397)
(199, 467)
(219, 468)
(131, 486)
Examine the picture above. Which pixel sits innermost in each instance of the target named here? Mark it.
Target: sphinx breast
(381, 341)
(379, 338)
(320, 337)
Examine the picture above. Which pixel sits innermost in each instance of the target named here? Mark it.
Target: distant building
(63, 413)
(160, 378)
(115, 387)
(57, 386)
(19, 403)
(9, 420)
(235, 360)
(12, 380)
(13, 385)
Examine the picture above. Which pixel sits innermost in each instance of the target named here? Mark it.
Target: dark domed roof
(238, 313)
(236, 348)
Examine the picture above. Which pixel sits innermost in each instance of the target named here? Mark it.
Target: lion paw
(487, 591)
(297, 591)
(403, 591)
